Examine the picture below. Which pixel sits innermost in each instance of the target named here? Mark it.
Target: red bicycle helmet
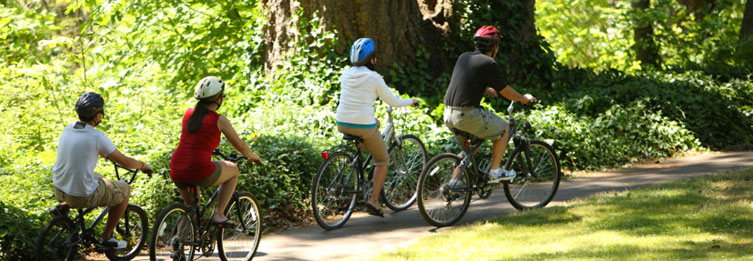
(486, 37)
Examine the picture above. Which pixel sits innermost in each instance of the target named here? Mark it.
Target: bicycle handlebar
(233, 157)
(132, 171)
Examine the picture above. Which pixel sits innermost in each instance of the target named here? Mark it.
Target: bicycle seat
(351, 137)
(184, 184)
(474, 140)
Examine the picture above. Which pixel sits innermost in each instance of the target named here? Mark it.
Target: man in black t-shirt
(475, 74)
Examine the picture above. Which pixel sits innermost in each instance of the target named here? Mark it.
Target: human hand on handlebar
(254, 158)
(147, 169)
(528, 99)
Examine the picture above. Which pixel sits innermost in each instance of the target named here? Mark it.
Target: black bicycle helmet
(88, 105)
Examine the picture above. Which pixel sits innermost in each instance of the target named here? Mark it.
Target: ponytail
(199, 112)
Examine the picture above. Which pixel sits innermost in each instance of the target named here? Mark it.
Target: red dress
(192, 160)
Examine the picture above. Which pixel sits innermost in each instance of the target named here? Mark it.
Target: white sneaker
(115, 243)
(498, 174)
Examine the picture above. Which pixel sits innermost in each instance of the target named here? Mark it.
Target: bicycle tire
(333, 196)
(133, 228)
(435, 196)
(54, 242)
(166, 235)
(533, 190)
(247, 232)
(399, 190)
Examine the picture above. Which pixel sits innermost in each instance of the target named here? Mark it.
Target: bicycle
(342, 179)
(442, 200)
(180, 231)
(63, 237)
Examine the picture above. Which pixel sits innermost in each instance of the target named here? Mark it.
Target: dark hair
(369, 64)
(199, 112)
(485, 45)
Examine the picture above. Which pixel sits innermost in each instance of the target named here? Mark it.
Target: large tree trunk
(694, 7)
(645, 48)
(398, 27)
(747, 26)
(526, 32)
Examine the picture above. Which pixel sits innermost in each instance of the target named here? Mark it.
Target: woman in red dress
(191, 163)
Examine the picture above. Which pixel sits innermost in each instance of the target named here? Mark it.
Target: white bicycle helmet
(208, 87)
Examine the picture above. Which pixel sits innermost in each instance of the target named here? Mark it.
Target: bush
(19, 230)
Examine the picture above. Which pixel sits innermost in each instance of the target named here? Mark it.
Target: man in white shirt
(76, 183)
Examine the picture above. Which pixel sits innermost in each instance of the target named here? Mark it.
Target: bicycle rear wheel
(334, 191)
(58, 240)
(132, 228)
(241, 241)
(406, 164)
(538, 176)
(173, 234)
(441, 201)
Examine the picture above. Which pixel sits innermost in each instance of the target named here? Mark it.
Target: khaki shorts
(372, 139)
(206, 182)
(476, 121)
(109, 193)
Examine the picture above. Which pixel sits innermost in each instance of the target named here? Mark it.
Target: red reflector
(467, 142)
(325, 155)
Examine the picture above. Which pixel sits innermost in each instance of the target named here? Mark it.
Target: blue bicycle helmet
(362, 51)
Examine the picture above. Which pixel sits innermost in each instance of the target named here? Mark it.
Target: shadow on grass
(690, 250)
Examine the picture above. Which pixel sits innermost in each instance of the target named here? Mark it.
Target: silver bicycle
(344, 177)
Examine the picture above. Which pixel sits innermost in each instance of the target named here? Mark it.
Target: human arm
(384, 93)
(129, 162)
(227, 129)
(513, 95)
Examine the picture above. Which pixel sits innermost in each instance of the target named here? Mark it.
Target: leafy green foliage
(144, 57)
(599, 34)
(18, 231)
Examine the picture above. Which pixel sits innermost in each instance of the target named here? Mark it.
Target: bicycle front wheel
(444, 191)
(132, 228)
(58, 240)
(406, 163)
(173, 234)
(241, 241)
(538, 176)
(334, 191)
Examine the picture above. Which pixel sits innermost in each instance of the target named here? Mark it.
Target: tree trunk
(398, 27)
(747, 26)
(646, 50)
(694, 7)
(526, 32)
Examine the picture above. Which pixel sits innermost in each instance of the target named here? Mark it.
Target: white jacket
(359, 89)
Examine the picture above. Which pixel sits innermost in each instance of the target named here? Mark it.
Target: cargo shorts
(109, 193)
(476, 121)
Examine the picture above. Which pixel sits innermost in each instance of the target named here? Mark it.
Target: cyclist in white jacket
(360, 86)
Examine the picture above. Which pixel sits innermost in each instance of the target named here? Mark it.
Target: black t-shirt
(473, 72)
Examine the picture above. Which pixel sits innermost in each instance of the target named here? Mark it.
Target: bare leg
(498, 150)
(186, 194)
(113, 216)
(228, 179)
(380, 173)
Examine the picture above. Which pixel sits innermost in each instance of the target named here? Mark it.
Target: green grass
(708, 218)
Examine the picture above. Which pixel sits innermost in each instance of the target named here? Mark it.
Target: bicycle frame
(472, 144)
(87, 232)
(199, 211)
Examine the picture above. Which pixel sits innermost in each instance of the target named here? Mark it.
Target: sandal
(371, 210)
(223, 224)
